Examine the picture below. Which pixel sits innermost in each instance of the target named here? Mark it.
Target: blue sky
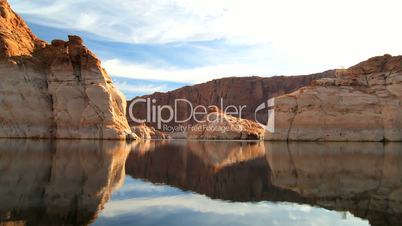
(160, 45)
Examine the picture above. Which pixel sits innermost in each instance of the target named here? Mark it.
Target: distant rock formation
(249, 91)
(219, 126)
(363, 103)
(56, 90)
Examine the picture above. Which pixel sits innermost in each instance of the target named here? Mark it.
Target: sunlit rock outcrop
(220, 126)
(56, 90)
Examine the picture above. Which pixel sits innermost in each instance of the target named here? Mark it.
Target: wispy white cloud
(252, 21)
(131, 88)
(193, 75)
(303, 36)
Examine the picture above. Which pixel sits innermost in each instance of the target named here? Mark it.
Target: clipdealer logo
(164, 114)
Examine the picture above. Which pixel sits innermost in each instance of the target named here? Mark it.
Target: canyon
(60, 90)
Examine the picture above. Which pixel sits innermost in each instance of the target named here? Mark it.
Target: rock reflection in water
(234, 171)
(58, 183)
(362, 178)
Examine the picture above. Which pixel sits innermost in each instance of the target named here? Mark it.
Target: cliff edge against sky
(56, 90)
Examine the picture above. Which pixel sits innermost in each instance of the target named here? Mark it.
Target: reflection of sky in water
(144, 203)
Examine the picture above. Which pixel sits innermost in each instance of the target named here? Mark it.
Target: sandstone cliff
(363, 103)
(56, 90)
(249, 91)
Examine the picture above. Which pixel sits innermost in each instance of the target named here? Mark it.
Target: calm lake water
(199, 183)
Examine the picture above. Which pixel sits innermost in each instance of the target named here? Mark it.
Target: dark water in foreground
(190, 183)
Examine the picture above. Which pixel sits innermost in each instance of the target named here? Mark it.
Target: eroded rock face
(56, 90)
(361, 104)
(16, 39)
(220, 126)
